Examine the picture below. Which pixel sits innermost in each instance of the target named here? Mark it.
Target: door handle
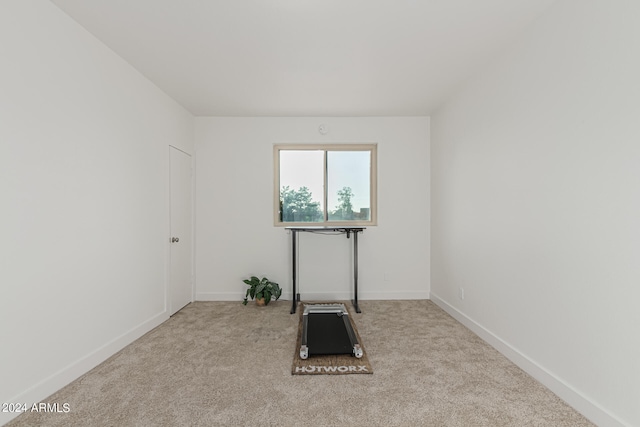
(175, 239)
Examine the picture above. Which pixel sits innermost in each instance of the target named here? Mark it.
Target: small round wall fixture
(323, 129)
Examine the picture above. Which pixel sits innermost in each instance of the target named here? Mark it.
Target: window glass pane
(348, 185)
(301, 185)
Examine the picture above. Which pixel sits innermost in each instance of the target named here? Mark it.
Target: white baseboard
(45, 388)
(309, 296)
(594, 412)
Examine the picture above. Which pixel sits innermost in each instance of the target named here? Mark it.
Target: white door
(180, 286)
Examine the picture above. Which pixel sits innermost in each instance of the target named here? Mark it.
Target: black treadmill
(326, 329)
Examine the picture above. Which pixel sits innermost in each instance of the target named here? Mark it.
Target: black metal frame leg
(295, 296)
(355, 272)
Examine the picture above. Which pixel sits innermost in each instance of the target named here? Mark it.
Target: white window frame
(373, 187)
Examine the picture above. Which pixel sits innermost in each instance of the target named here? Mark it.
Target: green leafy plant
(261, 288)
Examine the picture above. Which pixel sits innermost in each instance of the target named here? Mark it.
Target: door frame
(167, 293)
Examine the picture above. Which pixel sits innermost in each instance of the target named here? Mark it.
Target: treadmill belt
(326, 329)
(328, 334)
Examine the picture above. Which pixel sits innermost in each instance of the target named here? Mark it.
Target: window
(325, 184)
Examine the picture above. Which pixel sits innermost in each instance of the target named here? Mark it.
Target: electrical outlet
(461, 293)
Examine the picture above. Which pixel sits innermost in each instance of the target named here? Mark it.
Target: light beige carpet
(223, 364)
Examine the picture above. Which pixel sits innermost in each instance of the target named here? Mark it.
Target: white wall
(536, 202)
(234, 210)
(83, 182)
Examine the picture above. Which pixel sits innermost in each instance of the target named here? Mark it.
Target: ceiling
(306, 57)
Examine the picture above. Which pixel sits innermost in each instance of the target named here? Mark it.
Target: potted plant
(263, 290)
